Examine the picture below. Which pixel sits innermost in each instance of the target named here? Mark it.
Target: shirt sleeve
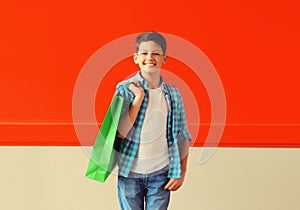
(121, 90)
(184, 131)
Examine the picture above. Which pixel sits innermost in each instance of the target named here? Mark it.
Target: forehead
(150, 46)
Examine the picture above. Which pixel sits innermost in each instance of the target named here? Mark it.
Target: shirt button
(172, 158)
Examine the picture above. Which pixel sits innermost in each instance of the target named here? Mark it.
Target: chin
(149, 70)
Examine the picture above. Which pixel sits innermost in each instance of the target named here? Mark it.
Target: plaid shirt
(177, 130)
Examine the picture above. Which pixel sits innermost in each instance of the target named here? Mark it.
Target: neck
(152, 77)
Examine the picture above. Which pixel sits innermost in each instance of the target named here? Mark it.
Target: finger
(176, 187)
(169, 184)
(131, 86)
(177, 184)
(135, 83)
(132, 83)
(135, 89)
(173, 185)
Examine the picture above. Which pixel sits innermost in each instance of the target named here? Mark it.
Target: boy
(153, 134)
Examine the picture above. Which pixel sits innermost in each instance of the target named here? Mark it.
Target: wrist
(138, 99)
(140, 95)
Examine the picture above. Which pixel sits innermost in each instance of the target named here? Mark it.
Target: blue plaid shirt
(177, 129)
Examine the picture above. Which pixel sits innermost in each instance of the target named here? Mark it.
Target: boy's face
(150, 56)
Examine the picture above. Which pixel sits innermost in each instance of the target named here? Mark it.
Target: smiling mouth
(149, 64)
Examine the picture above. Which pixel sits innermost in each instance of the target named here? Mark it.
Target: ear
(165, 59)
(135, 58)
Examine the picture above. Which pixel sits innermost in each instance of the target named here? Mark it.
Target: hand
(136, 88)
(174, 184)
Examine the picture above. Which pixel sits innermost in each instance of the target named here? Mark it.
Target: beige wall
(52, 178)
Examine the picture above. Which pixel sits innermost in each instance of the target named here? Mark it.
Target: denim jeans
(133, 190)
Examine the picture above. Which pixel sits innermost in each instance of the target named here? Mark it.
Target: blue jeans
(134, 189)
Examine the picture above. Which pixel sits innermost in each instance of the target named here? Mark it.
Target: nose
(149, 55)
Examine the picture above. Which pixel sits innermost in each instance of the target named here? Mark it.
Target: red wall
(254, 47)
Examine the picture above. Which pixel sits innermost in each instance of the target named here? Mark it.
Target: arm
(184, 138)
(175, 183)
(127, 120)
(184, 153)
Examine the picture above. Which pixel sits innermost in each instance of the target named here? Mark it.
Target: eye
(156, 54)
(142, 53)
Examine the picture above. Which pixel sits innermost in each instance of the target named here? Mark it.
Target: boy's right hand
(136, 88)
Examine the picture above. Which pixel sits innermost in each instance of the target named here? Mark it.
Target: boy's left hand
(174, 184)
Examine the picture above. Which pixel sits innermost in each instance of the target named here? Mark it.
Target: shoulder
(122, 87)
(124, 83)
(173, 91)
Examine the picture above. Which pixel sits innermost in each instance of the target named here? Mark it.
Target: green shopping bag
(103, 158)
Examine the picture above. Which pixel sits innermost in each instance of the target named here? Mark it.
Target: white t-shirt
(153, 148)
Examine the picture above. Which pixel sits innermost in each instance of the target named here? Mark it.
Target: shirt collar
(144, 83)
